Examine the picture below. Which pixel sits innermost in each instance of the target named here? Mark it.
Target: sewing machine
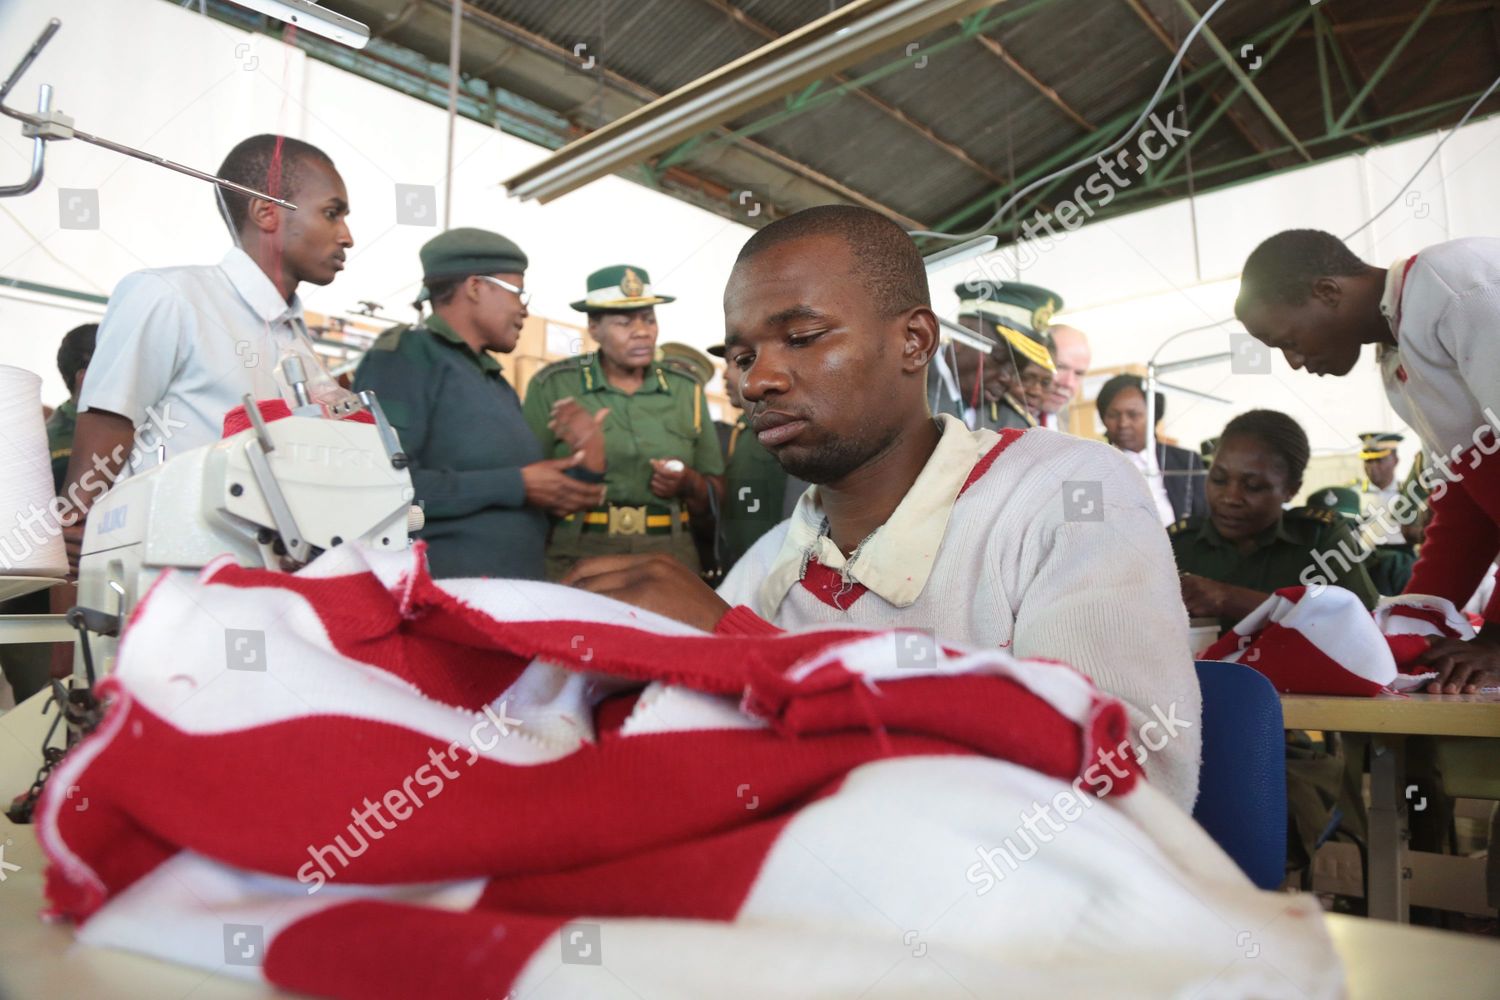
(272, 496)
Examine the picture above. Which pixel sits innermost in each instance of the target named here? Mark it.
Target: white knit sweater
(1054, 552)
(1443, 376)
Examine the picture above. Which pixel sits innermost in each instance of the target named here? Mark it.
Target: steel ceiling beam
(998, 50)
(830, 43)
(519, 35)
(1235, 70)
(1346, 134)
(1090, 145)
(1336, 50)
(1154, 25)
(1398, 20)
(1386, 63)
(953, 149)
(1288, 29)
(811, 98)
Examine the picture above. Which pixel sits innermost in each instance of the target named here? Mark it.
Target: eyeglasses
(520, 293)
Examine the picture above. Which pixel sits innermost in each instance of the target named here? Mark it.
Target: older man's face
(1073, 357)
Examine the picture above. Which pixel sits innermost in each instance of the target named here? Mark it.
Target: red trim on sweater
(1396, 324)
(1008, 437)
(740, 620)
(1463, 536)
(828, 586)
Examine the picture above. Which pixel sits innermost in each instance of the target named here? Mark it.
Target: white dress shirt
(1374, 500)
(1146, 463)
(178, 347)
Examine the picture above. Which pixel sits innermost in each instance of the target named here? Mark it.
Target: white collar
(1143, 459)
(896, 560)
(1390, 302)
(257, 289)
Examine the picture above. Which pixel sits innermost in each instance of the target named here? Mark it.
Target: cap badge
(632, 285)
(1043, 316)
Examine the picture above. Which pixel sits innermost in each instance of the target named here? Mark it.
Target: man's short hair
(76, 351)
(269, 163)
(885, 258)
(1282, 269)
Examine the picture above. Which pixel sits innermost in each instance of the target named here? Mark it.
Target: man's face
(829, 383)
(315, 237)
(1035, 382)
(1319, 335)
(968, 373)
(1246, 487)
(1072, 359)
(626, 339)
(999, 377)
(968, 370)
(498, 312)
(1125, 420)
(1381, 470)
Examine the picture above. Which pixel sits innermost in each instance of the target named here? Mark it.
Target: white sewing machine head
(273, 496)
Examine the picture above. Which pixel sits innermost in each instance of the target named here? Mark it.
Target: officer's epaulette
(390, 339)
(1180, 526)
(673, 371)
(564, 364)
(1320, 514)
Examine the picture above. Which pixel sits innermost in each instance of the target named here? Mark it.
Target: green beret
(459, 253)
(1339, 499)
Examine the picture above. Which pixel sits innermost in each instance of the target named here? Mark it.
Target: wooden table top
(1408, 715)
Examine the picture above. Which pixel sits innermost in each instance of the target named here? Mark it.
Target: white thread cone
(26, 481)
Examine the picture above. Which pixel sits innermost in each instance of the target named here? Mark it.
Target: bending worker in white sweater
(1435, 320)
(1043, 544)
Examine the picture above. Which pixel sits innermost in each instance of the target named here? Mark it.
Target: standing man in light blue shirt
(179, 346)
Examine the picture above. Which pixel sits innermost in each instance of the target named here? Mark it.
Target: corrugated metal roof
(929, 143)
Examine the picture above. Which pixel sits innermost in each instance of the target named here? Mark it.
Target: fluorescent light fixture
(963, 335)
(959, 252)
(814, 51)
(310, 17)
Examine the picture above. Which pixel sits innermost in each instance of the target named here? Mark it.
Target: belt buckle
(627, 520)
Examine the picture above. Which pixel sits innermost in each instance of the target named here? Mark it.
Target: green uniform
(1007, 413)
(460, 424)
(1390, 568)
(988, 416)
(60, 441)
(754, 493)
(1280, 554)
(667, 417)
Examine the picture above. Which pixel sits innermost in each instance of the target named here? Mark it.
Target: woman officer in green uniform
(1248, 546)
(661, 451)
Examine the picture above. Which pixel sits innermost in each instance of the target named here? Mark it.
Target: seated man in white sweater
(1045, 545)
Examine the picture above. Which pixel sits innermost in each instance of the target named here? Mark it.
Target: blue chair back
(1242, 786)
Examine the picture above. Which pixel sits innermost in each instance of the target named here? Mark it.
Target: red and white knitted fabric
(358, 782)
(1326, 642)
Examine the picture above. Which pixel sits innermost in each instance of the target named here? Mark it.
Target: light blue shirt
(178, 347)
